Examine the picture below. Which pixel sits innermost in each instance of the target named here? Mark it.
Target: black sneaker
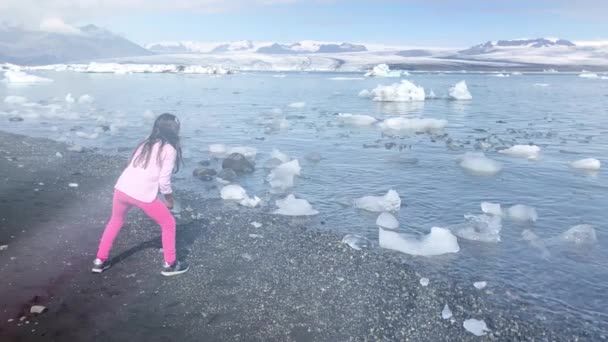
(175, 269)
(100, 266)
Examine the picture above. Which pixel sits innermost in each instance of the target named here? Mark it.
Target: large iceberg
(412, 125)
(460, 92)
(292, 206)
(16, 76)
(405, 91)
(476, 327)
(438, 241)
(356, 119)
(522, 151)
(479, 164)
(389, 202)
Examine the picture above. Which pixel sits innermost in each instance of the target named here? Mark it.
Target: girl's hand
(169, 201)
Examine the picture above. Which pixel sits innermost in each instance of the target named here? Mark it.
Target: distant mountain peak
(491, 46)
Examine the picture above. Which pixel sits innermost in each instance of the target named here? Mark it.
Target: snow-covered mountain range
(306, 46)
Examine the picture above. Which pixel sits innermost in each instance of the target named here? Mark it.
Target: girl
(149, 172)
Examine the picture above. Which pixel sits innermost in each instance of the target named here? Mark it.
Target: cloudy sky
(442, 23)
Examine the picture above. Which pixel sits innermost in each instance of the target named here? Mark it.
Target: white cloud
(57, 25)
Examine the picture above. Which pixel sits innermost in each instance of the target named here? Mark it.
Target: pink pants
(156, 210)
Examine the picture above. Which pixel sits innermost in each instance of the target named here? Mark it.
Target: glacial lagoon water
(565, 115)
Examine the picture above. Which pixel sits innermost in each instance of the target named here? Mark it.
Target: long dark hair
(166, 131)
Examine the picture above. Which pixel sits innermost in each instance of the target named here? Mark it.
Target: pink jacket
(144, 184)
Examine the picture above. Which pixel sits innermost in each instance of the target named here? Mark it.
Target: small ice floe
(86, 98)
(482, 228)
(58, 155)
(501, 75)
(356, 242)
(541, 84)
(387, 221)
(357, 119)
(588, 75)
(282, 157)
(460, 92)
(405, 91)
(346, 78)
(446, 313)
(69, 98)
(389, 202)
(580, 235)
(38, 309)
(476, 327)
(522, 151)
(297, 105)
(235, 192)
(439, 241)
(3, 247)
(480, 285)
(292, 206)
(516, 73)
(588, 164)
(73, 185)
(493, 209)
(415, 125)
(256, 224)
(477, 163)
(12, 99)
(522, 213)
(20, 77)
(282, 177)
(424, 282)
(382, 70)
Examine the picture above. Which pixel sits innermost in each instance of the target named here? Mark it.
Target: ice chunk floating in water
(388, 221)
(589, 164)
(522, 151)
(482, 228)
(282, 177)
(356, 242)
(237, 193)
(412, 125)
(460, 92)
(297, 105)
(582, 234)
(522, 213)
(292, 206)
(405, 91)
(491, 208)
(476, 327)
(389, 202)
(480, 285)
(357, 119)
(438, 241)
(479, 164)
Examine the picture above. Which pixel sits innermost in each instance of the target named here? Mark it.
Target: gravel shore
(284, 281)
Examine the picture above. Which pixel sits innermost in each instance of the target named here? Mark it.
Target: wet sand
(290, 282)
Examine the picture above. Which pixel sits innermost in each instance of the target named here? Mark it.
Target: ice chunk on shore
(582, 234)
(12, 99)
(479, 164)
(424, 282)
(389, 202)
(482, 228)
(589, 164)
(522, 151)
(388, 221)
(446, 313)
(292, 206)
(405, 91)
(282, 177)
(382, 70)
(16, 76)
(491, 208)
(86, 99)
(460, 92)
(588, 75)
(356, 119)
(480, 285)
(233, 192)
(412, 125)
(476, 327)
(297, 105)
(250, 202)
(522, 213)
(356, 242)
(438, 241)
